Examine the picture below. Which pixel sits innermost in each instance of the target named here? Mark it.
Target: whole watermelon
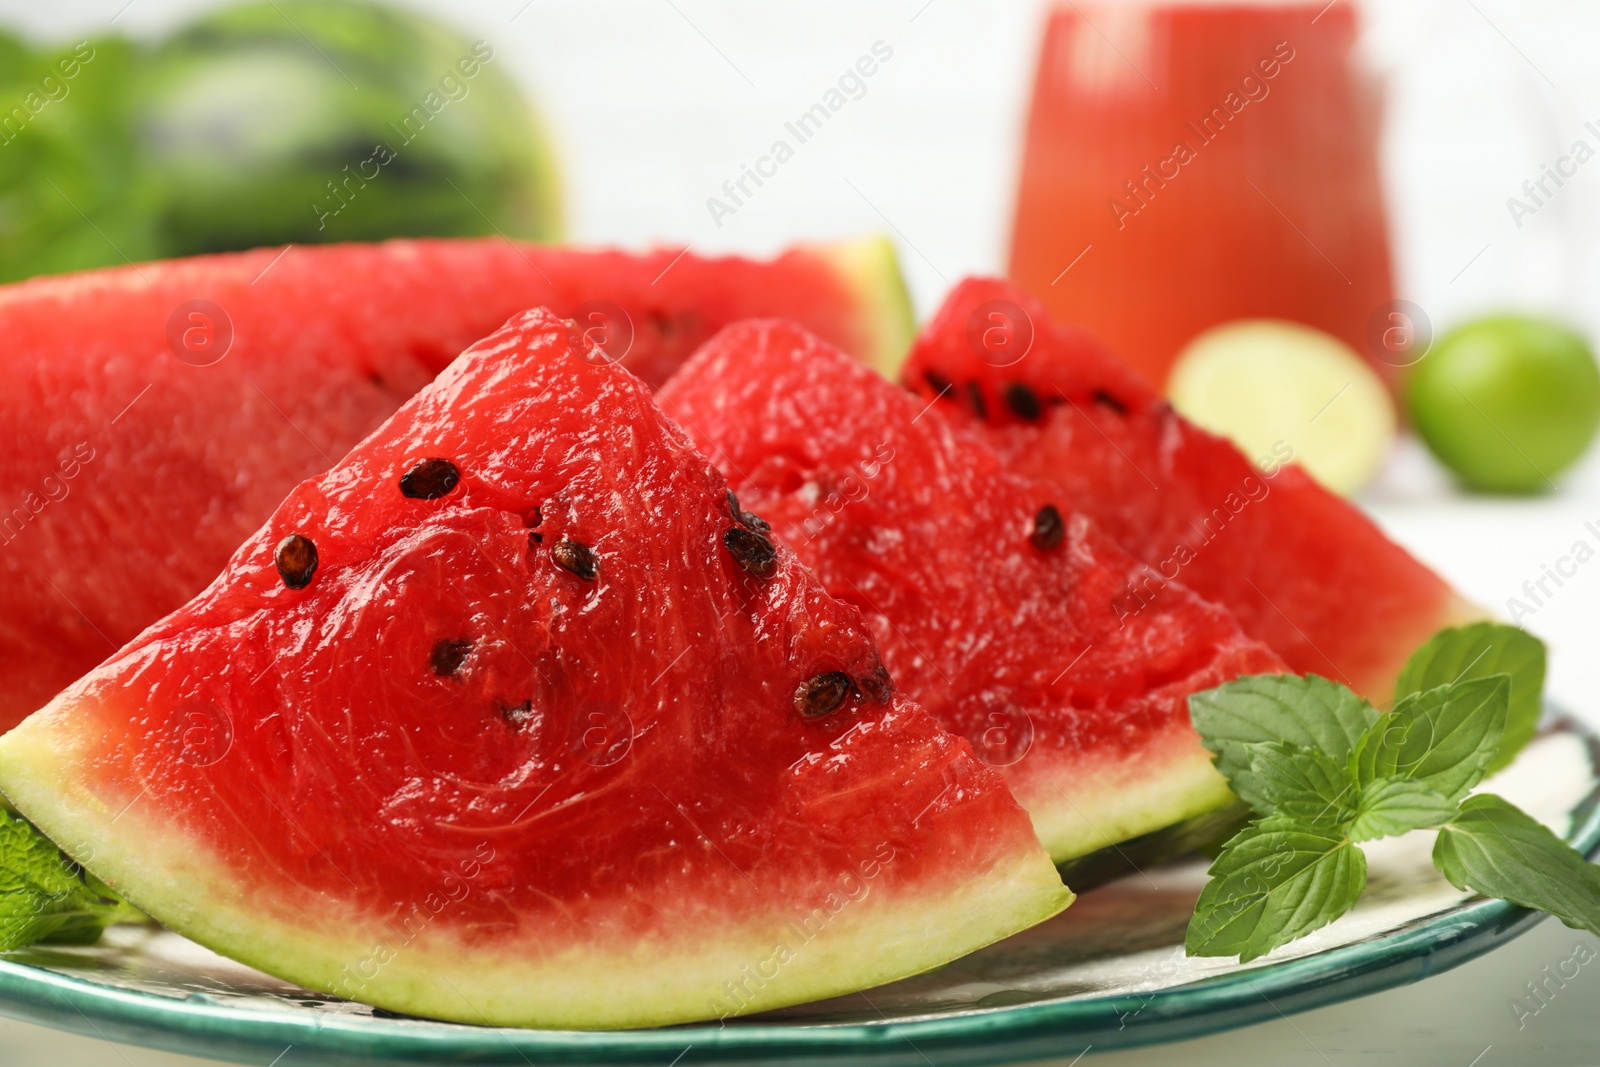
(309, 121)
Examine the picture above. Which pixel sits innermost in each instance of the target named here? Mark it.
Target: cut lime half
(1275, 388)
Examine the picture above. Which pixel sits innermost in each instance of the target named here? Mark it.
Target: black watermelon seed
(449, 653)
(876, 684)
(429, 479)
(665, 325)
(751, 550)
(577, 557)
(1023, 401)
(748, 518)
(980, 406)
(1048, 529)
(1105, 399)
(297, 561)
(823, 694)
(938, 383)
(754, 521)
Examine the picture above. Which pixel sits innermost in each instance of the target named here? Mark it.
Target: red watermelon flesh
(130, 475)
(1003, 628)
(540, 734)
(1303, 570)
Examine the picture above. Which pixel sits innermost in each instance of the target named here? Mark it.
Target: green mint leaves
(1276, 880)
(1307, 713)
(1302, 783)
(1491, 847)
(1324, 771)
(1443, 738)
(1478, 651)
(46, 897)
(1392, 806)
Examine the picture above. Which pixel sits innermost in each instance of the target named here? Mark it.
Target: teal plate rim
(1018, 1033)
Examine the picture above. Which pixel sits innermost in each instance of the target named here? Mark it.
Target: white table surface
(654, 103)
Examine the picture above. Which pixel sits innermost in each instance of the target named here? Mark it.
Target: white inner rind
(689, 966)
(1081, 802)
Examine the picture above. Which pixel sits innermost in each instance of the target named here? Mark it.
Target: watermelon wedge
(508, 719)
(994, 608)
(132, 471)
(1303, 570)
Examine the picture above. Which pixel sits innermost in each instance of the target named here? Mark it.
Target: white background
(653, 104)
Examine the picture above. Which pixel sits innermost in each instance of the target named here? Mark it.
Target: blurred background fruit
(1507, 402)
(267, 123)
(302, 120)
(67, 156)
(1266, 384)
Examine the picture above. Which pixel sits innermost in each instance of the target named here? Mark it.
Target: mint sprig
(1325, 771)
(45, 897)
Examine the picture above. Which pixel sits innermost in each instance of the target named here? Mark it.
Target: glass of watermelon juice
(1187, 164)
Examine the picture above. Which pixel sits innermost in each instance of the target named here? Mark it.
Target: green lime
(1507, 402)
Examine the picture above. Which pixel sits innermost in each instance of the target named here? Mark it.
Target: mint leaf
(1494, 848)
(1327, 772)
(1462, 653)
(1309, 712)
(1391, 806)
(1275, 881)
(1443, 738)
(46, 897)
(1302, 783)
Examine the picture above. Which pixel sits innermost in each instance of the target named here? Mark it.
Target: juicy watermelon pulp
(1009, 634)
(132, 471)
(1302, 570)
(510, 719)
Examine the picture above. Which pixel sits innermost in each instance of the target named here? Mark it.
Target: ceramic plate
(1110, 972)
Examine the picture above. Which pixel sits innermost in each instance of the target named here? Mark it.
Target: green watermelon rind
(870, 269)
(876, 939)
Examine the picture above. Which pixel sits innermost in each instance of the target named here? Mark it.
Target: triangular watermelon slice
(508, 719)
(994, 604)
(1302, 569)
(166, 408)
